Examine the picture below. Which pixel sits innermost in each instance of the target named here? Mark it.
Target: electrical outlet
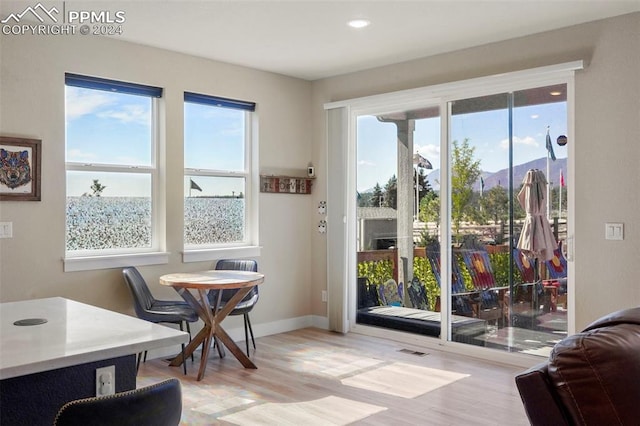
(6, 229)
(324, 295)
(106, 380)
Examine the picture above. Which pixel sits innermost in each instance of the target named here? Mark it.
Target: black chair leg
(184, 361)
(247, 322)
(246, 335)
(138, 358)
(189, 331)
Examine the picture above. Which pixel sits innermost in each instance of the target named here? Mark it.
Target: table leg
(204, 314)
(212, 330)
(191, 347)
(218, 345)
(222, 336)
(203, 308)
(233, 348)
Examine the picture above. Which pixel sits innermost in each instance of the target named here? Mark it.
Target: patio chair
(491, 299)
(461, 299)
(418, 294)
(557, 268)
(367, 294)
(390, 293)
(527, 294)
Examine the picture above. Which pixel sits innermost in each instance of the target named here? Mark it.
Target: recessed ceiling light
(358, 23)
(555, 93)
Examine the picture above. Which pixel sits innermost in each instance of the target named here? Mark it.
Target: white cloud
(80, 156)
(128, 114)
(526, 141)
(81, 102)
(366, 163)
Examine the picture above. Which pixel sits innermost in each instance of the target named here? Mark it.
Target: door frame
(341, 143)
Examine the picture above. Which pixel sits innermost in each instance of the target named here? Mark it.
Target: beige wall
(607, 140)
(32, 105)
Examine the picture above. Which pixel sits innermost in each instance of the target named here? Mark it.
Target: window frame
(79, 260)
(249, 247)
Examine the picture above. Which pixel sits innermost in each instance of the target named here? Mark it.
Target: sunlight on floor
(403, 380)
(321, 412)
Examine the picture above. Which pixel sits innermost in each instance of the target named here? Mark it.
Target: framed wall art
(19, 169)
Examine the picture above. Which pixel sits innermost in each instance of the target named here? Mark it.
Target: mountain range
(501, 177)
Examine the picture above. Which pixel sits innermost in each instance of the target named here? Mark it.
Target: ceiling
(311, 40)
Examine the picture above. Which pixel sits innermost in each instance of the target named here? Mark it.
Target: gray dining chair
(151, 309)
(155, 405)
(250, 300)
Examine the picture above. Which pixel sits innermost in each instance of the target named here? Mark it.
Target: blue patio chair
(418, 294)
(461, 299)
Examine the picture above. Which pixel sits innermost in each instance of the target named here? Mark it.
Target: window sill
(204, 255)
(88, 263)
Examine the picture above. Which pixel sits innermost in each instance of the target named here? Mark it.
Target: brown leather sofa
(591, 378)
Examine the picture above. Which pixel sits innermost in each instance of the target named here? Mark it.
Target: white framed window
(112, 176)
(220, 202)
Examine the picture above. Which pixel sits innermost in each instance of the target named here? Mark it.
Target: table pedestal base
(212, 329)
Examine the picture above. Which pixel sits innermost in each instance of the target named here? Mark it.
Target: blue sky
(486, 131)
(115, 128)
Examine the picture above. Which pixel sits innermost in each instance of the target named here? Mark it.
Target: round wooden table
(193, 287)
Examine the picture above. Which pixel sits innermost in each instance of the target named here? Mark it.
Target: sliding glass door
(397, 213)
(497, 293)
(515, 292)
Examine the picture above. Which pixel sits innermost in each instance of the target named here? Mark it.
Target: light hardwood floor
(311, 364)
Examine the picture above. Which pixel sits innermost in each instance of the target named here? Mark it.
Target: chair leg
(184, 361)
(246, 335)
(138, 358)
(189, 331)
(247, 321)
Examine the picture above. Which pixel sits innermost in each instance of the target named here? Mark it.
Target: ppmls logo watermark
(42, 20)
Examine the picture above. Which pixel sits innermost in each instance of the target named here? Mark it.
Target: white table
(41, 365)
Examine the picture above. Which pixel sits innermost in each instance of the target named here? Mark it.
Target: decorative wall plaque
(285, 184)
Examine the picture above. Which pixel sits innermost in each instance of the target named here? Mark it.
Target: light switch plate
(614, 231)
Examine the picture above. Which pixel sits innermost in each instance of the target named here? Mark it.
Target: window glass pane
(500, 284)
(397, 214)
(108, 210)
(214, 138)
(214, 210)
(108, 128)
